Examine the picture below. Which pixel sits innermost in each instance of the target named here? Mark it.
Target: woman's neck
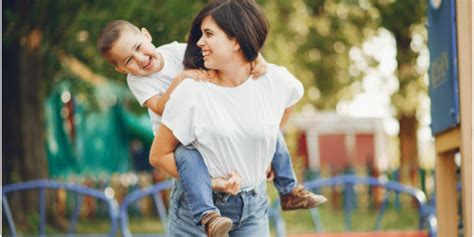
(233, 75)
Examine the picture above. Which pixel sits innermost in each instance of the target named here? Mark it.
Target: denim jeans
(194, 177)
(285, 179)
(195, 180)
(248, 211)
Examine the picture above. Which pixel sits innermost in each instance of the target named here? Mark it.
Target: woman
(231, 120)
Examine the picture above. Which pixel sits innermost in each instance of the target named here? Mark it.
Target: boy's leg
(196, 182)
(285, 179)
(292, 196)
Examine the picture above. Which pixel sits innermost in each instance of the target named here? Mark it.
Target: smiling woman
(233, 123)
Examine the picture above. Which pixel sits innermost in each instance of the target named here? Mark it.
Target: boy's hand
(195, 74)
(258, 67)
(229, 184)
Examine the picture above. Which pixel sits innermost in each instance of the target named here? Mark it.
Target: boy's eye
(139, 46)
(128, 61)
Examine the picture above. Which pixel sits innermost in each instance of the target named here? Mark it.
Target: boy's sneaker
(300, 198)
(216, 225)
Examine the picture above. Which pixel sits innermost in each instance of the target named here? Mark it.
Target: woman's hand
(270, 174)
(229, 184)
(258, 67)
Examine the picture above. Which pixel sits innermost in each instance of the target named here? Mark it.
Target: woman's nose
(200, 42)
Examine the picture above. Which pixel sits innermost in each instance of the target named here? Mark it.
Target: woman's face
(217, 48)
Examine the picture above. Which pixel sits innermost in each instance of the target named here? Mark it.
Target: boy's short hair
(110, 34)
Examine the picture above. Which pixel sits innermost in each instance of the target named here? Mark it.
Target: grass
(363, 218)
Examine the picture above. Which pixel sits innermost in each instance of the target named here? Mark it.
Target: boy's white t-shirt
(234, 129)
(143, 88)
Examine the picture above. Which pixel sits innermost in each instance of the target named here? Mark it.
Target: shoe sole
(320, 203)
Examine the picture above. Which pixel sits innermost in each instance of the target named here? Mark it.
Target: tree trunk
(409, 163)
(23, 121)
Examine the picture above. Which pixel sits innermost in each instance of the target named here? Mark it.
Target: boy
(152, 74)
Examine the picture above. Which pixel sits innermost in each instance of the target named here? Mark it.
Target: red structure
(330, 141)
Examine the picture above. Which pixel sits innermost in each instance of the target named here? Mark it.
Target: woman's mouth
(206, 53)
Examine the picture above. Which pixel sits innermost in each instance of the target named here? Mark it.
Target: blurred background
(69, 116)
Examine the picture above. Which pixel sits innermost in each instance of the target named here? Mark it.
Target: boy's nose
(141, 58)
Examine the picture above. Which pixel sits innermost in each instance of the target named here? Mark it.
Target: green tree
(29, 33)
(405, 19)
(313, 39)
(37, 34)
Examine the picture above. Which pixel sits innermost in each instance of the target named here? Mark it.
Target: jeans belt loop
(223, 196)
(249, 190)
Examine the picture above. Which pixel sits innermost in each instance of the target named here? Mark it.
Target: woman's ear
(235, 45)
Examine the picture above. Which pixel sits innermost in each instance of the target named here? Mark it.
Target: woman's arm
(286, 115)
(162, 151)
(162, 157)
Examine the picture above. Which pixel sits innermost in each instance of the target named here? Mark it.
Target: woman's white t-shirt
(234, 129)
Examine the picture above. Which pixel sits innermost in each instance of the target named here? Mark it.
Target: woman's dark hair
(239, 19)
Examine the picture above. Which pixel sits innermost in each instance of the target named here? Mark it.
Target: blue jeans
(196, 184)
(248, 211)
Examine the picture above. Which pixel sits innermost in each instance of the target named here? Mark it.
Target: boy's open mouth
(148, 64)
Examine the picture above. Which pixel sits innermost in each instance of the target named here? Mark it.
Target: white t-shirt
(143, 88)
(234, 129)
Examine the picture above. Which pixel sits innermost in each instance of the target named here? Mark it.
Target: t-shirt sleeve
(175, 51)
(142, 88)
(292, 87)
(180, 112)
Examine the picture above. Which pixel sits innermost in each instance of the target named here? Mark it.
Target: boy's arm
(157, 102)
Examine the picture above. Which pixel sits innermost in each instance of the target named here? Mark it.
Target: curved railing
(426, 212)
(139, 194)
(42, 185)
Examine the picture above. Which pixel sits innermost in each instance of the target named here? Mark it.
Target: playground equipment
(80, 191)
(92, 142)
(426, 217)
(120, 214)
(330, 141)
(154, 191)
(450, 45)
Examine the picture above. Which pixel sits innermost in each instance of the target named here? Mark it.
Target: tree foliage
(313, 38)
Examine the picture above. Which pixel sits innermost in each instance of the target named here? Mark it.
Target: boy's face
(135, 54)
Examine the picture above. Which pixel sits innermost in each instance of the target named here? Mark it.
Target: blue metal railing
(42, 185)
(136, 195)
(119, 214)
(426, 212)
